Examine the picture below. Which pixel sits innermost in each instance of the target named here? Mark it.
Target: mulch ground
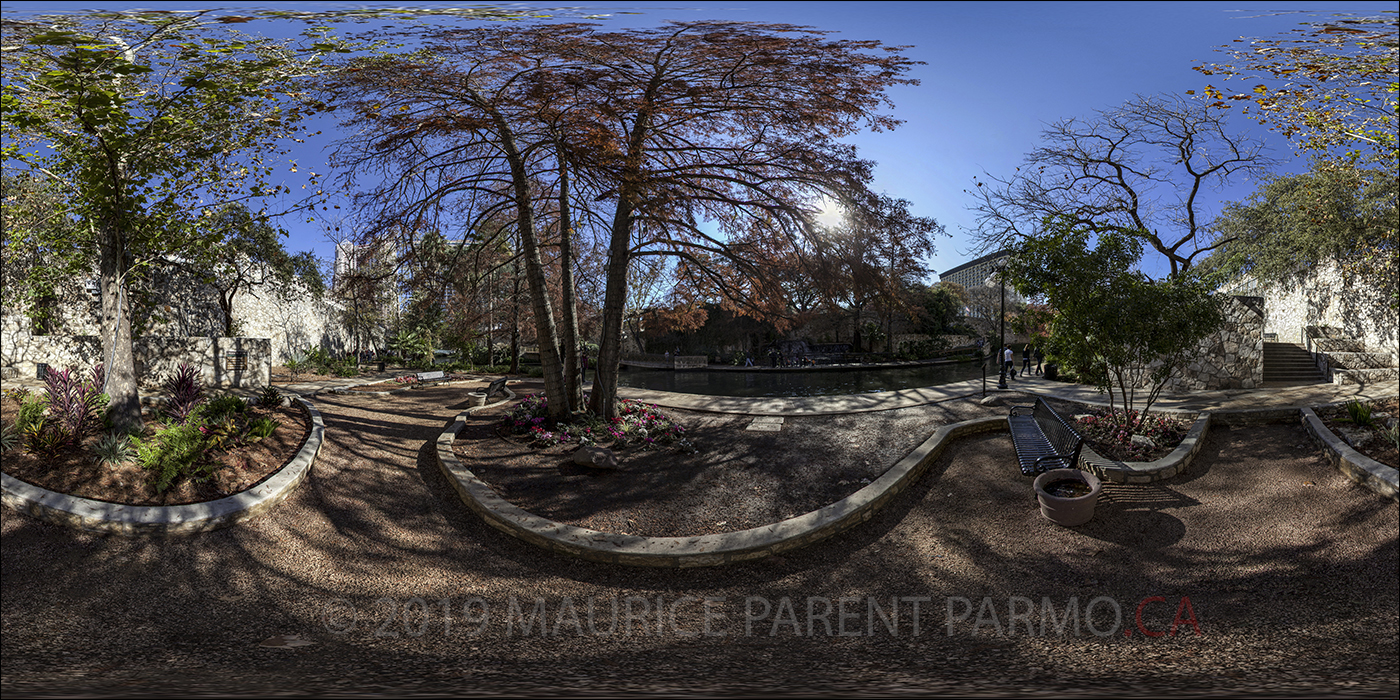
(1290, 569)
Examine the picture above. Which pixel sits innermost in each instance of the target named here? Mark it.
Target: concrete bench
(430, 376)
(1043, 439)
(491, 390)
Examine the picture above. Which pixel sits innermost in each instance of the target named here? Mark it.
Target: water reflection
(797, 382)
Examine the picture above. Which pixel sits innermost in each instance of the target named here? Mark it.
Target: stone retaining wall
(288, 316)
(244, 363)
(1231, 358)
(1326, 297)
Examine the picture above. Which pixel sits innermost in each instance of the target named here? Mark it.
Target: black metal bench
(1043, 439)
(494, 387)
(491, 390)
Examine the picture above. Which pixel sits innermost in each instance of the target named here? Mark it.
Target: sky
(995, 74)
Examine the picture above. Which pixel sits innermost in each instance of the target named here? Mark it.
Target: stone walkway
(1231, 400)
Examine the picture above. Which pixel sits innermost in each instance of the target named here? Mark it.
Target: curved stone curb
(345, 389)
(1363, 470)
(700, 550)
(1147, 472)
(134, 521)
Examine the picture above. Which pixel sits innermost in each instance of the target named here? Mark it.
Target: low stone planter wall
(1363, 470)
(134, 521)
(702, 550)
(1167, 467)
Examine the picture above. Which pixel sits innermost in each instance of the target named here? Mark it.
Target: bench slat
(1043, 439)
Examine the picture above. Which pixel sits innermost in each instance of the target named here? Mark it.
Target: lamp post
(1001, 344)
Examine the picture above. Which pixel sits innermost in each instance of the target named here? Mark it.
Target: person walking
(1026, 360)
(1009, 362)
(1039, 358)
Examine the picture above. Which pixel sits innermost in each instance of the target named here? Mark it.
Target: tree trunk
(573, 382)
(546, 331)
(117, 352)
(226, 304)
(855, 335)
(514, 318)
(604, 399)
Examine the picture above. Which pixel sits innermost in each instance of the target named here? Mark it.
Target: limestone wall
(1325, 297)
(290, 318)
(1231, 358)
(222, 362)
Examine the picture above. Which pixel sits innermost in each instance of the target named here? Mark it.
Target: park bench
(431, 376)
(1043, 439)
(491, 390)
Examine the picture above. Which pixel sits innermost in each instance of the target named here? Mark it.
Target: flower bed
(637, 425)
(194, 450)
(1104, 431)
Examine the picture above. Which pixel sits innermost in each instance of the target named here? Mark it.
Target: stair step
(1366, 376)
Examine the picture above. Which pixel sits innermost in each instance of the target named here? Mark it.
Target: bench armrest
(1026, 408)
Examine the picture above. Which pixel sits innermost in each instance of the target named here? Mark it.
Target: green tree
(251, 256)
(1131, 332)
(1294, 223)
(1330, 87)
(146, 120)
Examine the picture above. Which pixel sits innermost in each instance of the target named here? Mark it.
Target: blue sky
(996, 73)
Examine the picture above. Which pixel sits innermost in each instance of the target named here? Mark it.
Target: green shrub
(219, 409)
(296, 364)
(9, 438)
(1358, 413)
(535, 371)
(270, 397)
(112, 448)
(31, 413)
(173, 453)
(259, 428)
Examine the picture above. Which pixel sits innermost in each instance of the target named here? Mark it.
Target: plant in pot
(1067, 496)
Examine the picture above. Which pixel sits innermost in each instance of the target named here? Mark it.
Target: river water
(797, 382)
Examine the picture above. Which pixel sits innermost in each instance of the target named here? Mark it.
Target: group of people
(1009, 360)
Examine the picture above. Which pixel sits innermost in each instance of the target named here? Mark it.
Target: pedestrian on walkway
(1009, 362)
(1026, 360)
(1039, 357)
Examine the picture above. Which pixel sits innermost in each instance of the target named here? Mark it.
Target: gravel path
(1291, 573)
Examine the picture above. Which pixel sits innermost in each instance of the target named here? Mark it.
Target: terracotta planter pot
(1072, 511)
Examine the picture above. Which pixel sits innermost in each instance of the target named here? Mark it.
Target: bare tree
(1140, 168)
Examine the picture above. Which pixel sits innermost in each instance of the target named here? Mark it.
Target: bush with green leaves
(296, 365)
(112, 448)
(221, 408)
(173, 453)
(270, 397)
(31, 416)
(261, 427)
(9, 438)
(1358, 414)
(1129, 333)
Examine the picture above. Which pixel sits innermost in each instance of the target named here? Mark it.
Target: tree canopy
(1294, 223)
(1330, 87)
(706, 142)
(146, 122)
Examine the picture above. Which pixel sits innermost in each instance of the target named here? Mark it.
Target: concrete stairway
(1351, 362)
(1286, 364)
